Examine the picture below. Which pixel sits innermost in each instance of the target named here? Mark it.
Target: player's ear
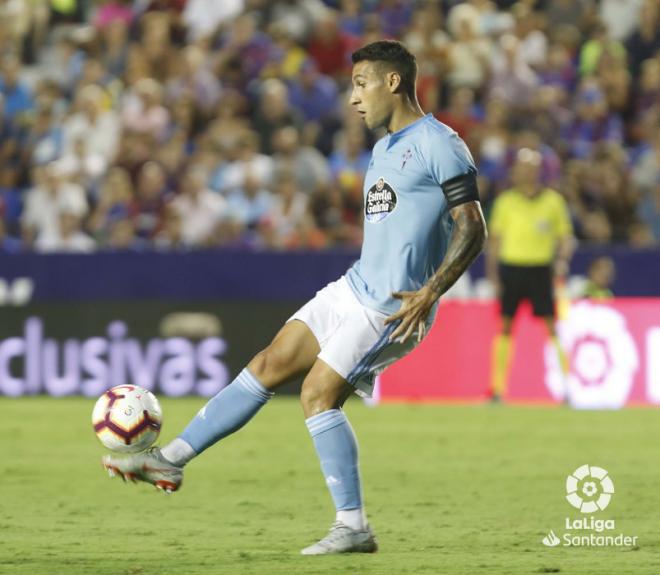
(393, 82)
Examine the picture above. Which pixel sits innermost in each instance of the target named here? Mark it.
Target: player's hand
(415, 308)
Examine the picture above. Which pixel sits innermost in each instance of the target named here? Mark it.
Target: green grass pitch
(449, 489)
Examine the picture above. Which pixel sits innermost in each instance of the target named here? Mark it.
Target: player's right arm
(452, 167)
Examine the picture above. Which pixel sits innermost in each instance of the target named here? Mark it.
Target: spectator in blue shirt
(314, 94)
(18, 98)
(594, 122)
(11, 199)
(251, 203)
(350, 160)
(43, 141)
(10, 137)
(8, 244)
(351, 21)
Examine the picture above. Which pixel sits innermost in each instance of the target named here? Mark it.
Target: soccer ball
(127, 418)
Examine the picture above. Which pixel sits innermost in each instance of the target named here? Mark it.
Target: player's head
(527, 170)
(384, 76)
(601, 271)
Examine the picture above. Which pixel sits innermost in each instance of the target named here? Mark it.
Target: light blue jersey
(407, 225)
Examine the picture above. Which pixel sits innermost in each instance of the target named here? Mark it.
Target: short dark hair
(396, 56)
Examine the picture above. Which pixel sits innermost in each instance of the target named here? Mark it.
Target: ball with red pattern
(127, 418)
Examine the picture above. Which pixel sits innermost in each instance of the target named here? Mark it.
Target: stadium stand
(174, 124)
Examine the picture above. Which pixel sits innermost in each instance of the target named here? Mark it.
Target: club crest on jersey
(380, 202)
(406, 156)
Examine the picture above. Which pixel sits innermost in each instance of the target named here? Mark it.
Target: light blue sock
(335, 443)
(227, 412)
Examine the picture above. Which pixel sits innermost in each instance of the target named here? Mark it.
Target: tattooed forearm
(466, 242)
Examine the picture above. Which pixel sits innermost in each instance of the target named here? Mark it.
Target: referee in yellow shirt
(531, 242)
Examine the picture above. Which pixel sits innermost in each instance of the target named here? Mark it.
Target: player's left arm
(565, 240)
(467, 241)
(565, 249)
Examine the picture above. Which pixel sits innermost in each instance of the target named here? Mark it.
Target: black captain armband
(460, 190)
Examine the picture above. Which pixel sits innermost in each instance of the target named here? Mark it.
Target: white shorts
(353, 338)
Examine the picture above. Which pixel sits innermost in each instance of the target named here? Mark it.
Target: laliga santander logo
(589, 489)
(602, 356)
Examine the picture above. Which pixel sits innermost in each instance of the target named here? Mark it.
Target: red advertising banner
(613, 348)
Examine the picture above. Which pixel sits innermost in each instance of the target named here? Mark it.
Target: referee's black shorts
(533, 283)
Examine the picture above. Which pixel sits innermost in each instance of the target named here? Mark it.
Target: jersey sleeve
(448, 157)
(497, 223)
(563, 225)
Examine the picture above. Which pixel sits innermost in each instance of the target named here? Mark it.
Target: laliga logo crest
(602, 354)
(589, 489)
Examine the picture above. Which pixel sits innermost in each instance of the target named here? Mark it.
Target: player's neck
(404, 115)
(530, 191)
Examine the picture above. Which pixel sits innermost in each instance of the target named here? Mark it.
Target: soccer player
(423, 226)
(531, 242)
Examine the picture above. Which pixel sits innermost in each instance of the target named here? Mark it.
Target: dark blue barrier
(176, 276)
(637, 271)
(226, 274)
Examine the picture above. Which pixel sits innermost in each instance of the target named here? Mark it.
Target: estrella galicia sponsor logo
(380, 202)
(589, 488)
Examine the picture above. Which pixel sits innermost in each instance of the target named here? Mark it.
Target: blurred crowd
(178, 124)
